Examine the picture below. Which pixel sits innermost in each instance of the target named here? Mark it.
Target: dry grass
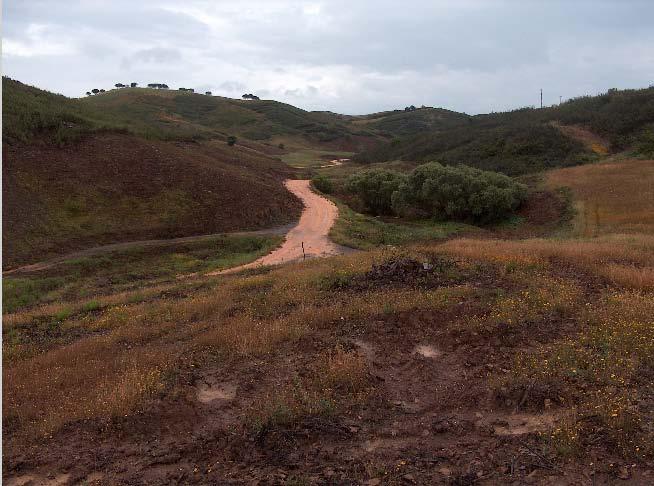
(114, 359)
(603, 375)
(337, 381)
(628, 276)
(616, 197)
(540, 301)
(625, 260)
(110, 361)
(601, 372)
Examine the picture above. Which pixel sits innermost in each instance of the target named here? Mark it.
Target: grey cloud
(231, 86)
(158, 55)
(353, 57)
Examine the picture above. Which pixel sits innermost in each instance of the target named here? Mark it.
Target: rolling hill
(440, 353)
(133, 163)
(410, 122)
(529, 140)
(171, 115)
(74, 177)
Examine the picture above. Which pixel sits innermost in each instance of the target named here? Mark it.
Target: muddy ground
(432, 413)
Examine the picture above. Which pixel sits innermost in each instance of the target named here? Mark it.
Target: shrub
(91, 306)
(376, 188)
(645, 142)
(231, 140)
(323, 184)
(459, 193)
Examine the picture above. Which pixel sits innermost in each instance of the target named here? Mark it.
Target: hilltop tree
(119, 85)
(249, 96)
(88, 93)
(95, 90)
(101, 91)
(133, 85)
(208, 93)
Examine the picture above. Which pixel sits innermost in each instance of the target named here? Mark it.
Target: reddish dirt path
(311, 231)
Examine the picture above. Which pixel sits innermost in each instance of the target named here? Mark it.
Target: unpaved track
(99, 250)
(311, 231)
(317, 219)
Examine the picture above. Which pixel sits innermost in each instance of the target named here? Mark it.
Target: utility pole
(541, 97)
(560, 97)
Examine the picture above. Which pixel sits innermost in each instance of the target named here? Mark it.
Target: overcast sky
(346, 56)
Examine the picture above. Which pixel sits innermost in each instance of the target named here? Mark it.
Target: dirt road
(100, 250)
(311, 231)
(334, 163)
(317, 219)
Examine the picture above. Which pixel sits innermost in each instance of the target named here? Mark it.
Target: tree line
(95, 91)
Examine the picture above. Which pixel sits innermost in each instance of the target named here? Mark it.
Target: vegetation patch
(129, 269)
(459, 193)
(361, 231)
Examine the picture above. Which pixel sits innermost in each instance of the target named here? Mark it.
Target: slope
(115, 187)
(75, 177)
(171, 114)
(530, 140)
(410, 122)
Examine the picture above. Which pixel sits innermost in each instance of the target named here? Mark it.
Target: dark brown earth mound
(115, 187)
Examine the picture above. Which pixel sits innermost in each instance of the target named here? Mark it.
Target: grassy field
(537, 350)
(602, 202)
(356, 230)
(127, 270)
(506, 326)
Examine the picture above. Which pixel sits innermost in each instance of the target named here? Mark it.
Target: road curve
(311, 231)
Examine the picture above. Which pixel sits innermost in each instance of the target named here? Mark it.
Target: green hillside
(409, 122)
(80, 173)
(525, 140)
(29, 112)
(171, 114)
(165, 115)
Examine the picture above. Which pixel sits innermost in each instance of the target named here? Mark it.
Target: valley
(171, 330)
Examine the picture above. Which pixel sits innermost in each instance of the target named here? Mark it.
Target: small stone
(445, 471)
